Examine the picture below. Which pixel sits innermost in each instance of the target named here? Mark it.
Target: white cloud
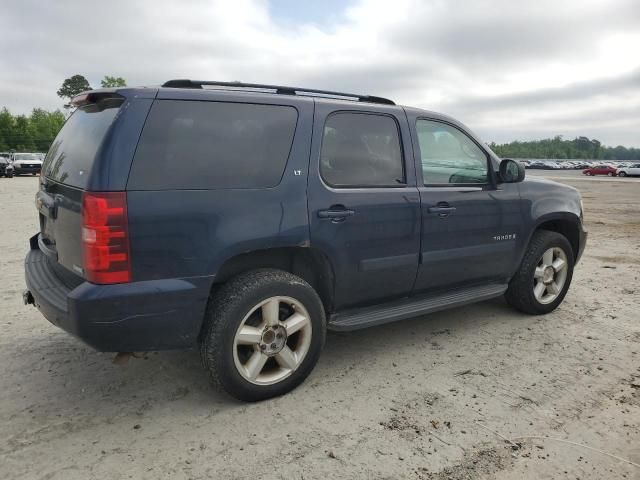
(508, 69)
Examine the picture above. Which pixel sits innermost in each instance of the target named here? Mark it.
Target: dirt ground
(429, 398)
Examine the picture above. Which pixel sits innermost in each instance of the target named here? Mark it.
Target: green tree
(558, 148)
(30, 133)
(23, 134)
(596, 148)
(45, 126)
(111, 82)
(72, 86)
(6, 129)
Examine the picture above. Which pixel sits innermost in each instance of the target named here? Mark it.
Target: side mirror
(511, 171)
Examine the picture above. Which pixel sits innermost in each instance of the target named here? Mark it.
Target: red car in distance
(600, 170)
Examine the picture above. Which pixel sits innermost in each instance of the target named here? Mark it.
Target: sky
(508, 69)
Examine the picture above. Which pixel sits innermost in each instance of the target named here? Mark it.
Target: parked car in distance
(538, 165)
(247, 223)
(6, 168)
(629, 170)
(26, 163)
(600, 170)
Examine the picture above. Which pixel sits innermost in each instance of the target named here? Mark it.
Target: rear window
(72, 153)
(206, 145)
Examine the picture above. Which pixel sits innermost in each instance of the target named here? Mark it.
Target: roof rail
(279, 89)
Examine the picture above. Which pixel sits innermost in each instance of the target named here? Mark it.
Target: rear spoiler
(90, 98)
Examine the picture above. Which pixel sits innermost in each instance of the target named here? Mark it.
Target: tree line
(29, 133)
(558, 148)
(36, 132)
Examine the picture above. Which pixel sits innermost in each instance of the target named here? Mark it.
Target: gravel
(388, 402)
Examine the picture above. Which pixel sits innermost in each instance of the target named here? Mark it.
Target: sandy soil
(428, 398)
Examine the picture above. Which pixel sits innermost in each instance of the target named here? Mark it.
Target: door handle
(336, 213)
(443, 209)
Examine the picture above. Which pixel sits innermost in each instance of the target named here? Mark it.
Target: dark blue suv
(246, 220)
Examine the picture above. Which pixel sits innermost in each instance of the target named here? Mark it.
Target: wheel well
(307, 263)
(567, 228)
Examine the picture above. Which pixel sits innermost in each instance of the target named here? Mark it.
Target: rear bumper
(129, 317)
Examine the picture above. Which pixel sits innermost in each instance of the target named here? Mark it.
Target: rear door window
(213, 145)
(361, 150)
(73, 152)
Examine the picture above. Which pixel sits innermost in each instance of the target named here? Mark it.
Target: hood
(544, 183)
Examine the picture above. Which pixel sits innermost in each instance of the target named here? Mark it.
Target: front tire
(622, 174)
(263, 334)
(543, 279)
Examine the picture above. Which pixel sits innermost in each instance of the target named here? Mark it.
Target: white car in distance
(629, 170)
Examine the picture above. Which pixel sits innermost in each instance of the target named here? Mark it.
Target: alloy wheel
(272, 340)
(550, 275)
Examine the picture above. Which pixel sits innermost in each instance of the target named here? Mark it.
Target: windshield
(25, 156)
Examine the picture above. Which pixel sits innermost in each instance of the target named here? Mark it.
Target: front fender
(544, 201)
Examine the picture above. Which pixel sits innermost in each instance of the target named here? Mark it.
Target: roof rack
(281, 90)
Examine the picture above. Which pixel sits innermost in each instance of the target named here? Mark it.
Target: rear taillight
(105, 237)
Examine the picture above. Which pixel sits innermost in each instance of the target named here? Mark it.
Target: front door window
(448, 156)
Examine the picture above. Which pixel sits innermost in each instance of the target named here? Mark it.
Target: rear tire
(544, 276)
(263, 334)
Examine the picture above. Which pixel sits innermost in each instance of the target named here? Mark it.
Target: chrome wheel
(272, 340)
(550, 275)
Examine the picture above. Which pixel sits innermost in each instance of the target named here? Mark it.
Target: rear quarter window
(212, 145)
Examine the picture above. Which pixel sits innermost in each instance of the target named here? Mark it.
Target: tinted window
(360, 150)
(449, 156)
(72, 153)
(203, 145)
